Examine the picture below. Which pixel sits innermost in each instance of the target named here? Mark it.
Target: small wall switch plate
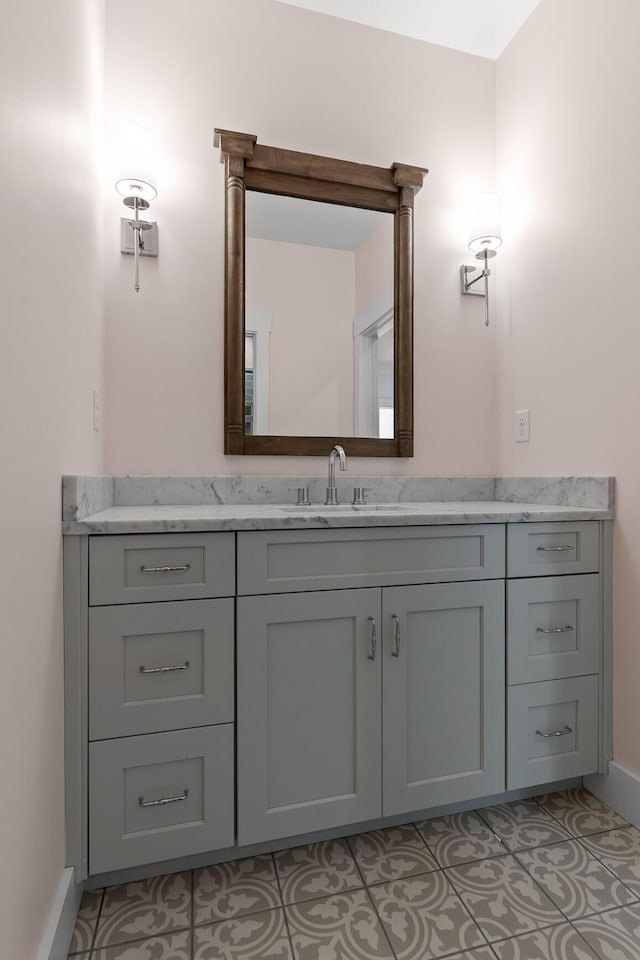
(149, 238)
(97, 411)
(522, 426)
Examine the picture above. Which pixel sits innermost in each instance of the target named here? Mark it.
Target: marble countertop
(176, 518)
(155, 504)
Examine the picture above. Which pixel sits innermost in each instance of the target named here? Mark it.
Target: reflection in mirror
(319, 326)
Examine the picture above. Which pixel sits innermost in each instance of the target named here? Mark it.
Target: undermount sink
(344, 507)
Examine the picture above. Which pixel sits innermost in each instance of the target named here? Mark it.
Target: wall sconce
(135, 184)
(484, 240)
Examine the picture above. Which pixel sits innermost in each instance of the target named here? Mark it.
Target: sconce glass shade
(484, 233)
(134, 175)
(489, 243)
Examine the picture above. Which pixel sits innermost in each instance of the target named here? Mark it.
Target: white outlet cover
(522, 426)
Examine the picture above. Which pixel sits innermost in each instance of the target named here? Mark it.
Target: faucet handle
(360, 495)
(302, 494)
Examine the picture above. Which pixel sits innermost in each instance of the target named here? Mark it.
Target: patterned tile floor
(557, 878)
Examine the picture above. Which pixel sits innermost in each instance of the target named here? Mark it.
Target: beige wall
(568, 332)
(50, 360)
(308, 82)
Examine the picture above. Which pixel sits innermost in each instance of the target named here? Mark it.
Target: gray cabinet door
(444, 699)
(308, 734)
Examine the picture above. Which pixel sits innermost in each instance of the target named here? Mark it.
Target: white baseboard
(620, 789)
(62, 918)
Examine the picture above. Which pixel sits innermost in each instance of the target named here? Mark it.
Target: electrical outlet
(97, 411)
(522, 426)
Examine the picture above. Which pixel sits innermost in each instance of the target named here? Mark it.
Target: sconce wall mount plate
(149, 246)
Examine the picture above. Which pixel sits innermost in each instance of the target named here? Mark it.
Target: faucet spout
(337, 453)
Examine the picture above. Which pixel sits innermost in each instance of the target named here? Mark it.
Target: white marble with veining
(561, 491)
(122, 504)
(138, 491)
(172, 518)
(83, 496)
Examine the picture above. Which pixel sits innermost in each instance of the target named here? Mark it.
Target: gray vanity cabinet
(444, 696)
(368, 679)
(309, 694)
(355, 704)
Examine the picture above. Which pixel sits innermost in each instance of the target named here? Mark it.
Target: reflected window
(249, 384)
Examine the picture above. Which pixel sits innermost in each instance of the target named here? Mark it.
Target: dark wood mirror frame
(249, 165)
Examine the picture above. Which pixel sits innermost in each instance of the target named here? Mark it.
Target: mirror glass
(319, 325)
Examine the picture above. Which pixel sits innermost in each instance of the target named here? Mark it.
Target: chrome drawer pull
(178, 666)
(396, 636)
(559, 549)
(566, 629)
(373, 639)
(186, 566)
(562, 732)
(161, 803)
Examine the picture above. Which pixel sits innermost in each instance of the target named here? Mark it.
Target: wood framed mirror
(318, 302)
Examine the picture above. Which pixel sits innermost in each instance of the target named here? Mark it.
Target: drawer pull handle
(186, 566)
(178, 666)
(161, 803)
(373, 639)
(396, 636)
(566, 629)
(559, 549)
(562, 732)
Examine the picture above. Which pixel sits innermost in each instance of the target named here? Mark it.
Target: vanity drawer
(286, 561)
(553, 627)
(177, 566)
(545, 549)
(552, 731)
(160, 666)
(161, 796)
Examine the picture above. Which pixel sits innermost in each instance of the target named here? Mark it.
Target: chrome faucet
(337, 453)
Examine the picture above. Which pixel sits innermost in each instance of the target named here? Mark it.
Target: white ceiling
(482, 27)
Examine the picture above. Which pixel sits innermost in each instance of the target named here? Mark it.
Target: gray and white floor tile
(502, 897)
(553, 943)
(234, 889)
(317, 870)
(424, 918)
(576, 882)
(580, 813)
(341, 927)
(523, 824)
(460, 838)
(391, 854)
(554, 880)
(614, 935)
(619, 850)
(256, 936)
(146, 908)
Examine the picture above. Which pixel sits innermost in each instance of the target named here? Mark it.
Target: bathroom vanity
(241, 675)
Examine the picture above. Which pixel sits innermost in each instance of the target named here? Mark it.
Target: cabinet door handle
(396, 636)
(178, 666)
(373, 639)
(559, 549)
(562, 732)
(163, 801)
(566, 629)
(186, 566)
